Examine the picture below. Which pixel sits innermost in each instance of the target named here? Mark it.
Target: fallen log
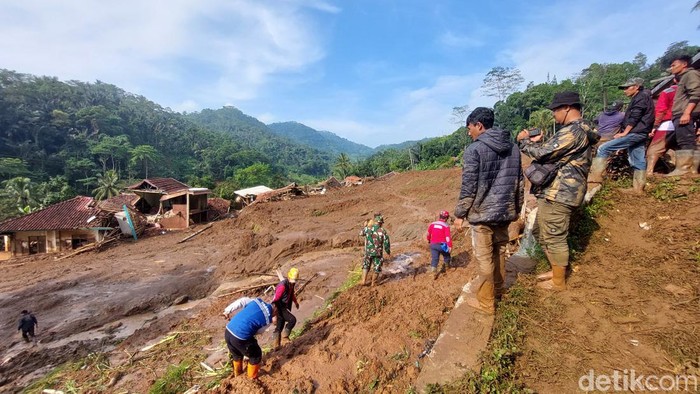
(246, 289)
(195, 234)
(307, 282)
(88, 247)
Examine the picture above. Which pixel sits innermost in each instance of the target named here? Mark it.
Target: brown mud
(106, 308)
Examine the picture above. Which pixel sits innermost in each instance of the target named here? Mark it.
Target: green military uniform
(556, 201)
(376, 243)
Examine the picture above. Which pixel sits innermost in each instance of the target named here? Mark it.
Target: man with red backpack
(440, 243)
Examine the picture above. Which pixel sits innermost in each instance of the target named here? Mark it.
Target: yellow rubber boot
(253, 371)
(237, 367)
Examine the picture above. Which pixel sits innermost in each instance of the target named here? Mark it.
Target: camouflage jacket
(376, 241)
(572, 142)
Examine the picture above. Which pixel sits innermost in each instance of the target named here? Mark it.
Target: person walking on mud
(284, 297)
(27, 324)
(376, 243)
(241, 330)
(490, 198)
(440, 243)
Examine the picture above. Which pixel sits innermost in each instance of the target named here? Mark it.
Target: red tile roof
(164, 185)
(115, 204)
(69, 214)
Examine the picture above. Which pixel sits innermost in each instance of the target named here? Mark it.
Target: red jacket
(439, 232)
(664, 104)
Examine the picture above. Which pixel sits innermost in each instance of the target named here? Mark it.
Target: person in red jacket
(663, 123)
(440, 243)
(285, 296)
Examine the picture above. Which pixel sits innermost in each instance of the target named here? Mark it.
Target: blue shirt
(254, 316)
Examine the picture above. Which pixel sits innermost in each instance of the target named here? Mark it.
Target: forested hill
(402, 145)
(59, 139)
(322, 140)
(256, 137)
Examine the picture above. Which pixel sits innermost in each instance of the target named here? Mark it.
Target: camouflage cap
(636, 81)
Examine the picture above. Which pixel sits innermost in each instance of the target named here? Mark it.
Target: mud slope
(93, 301)
(633, 301)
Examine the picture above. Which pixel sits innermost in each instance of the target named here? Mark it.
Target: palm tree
(21, 191)
(144, 154)
(343, 165)
(107, 185)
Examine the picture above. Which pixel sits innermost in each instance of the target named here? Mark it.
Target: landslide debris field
(108, 321)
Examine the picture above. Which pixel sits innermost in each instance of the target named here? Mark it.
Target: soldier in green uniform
(570, 148)
(376, 243)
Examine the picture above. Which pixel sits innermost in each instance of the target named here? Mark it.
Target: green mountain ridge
(322, 140)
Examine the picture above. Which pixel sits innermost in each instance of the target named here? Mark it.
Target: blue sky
(372, 71)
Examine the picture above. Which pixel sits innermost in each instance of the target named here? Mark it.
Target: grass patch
(666, 190)
(177, 379)
(63, 377)
(498, 373)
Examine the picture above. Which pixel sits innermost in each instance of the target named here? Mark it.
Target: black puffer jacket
(640, 113)
(492, 180)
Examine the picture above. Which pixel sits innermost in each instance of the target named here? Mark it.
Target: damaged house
(63, 226)
(170, 202)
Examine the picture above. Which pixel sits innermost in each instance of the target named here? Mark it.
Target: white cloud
(564, 39)
(230, 48)
(266, 118)
(407, 115)
(187, 106)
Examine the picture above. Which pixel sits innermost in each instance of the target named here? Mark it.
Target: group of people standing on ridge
(567, 169)
(565, 173)
(673, 122)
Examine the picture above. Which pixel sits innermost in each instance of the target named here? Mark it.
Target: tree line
(597, 84)
(59, 139)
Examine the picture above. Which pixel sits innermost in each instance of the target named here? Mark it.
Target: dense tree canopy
(67, 136)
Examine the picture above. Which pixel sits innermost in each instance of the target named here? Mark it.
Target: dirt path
(633, 300)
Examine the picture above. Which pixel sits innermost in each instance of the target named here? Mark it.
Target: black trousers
(28, 333)
(683, 137)
(239, 348)
(284, 315)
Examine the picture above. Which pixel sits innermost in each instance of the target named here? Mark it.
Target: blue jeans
(435, 252)
(635, 143)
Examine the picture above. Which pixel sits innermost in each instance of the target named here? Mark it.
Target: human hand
(458, 223)
(685, 119)
(225, 315)
(653, 131)
(619, 135)
(522, 135)
(536, 138)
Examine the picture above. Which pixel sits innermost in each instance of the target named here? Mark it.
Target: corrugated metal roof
(164, 185)
(253, 190)
(65, 215)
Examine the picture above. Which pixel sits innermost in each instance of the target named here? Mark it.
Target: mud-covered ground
(94, 301)
(632, 302)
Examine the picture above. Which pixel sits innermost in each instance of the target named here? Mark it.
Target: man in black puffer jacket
(490, 198)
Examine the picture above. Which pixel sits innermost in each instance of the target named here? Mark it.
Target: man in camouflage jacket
(570, 147)
(376, 243)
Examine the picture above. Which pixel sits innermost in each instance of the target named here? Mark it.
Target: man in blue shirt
(241, 330)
